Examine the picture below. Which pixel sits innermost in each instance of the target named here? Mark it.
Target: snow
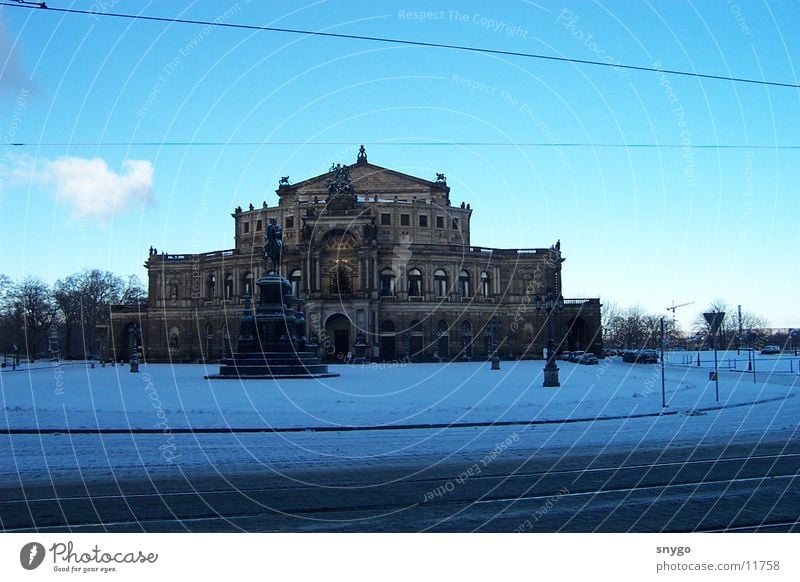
(610, 404)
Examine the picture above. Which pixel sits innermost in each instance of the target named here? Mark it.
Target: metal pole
(663, 380)
(739, 339)
(716, 369)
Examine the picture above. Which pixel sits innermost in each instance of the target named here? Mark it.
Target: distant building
(373, 254)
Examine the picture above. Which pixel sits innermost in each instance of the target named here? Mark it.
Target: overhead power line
(41, 6)
(403, 143)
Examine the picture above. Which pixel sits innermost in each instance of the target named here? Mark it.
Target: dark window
(455, 224)
(386, 219)
(258, 225)
(405, 220)
(290, 222)
(423, 220)
(440, 222)
(247, 226)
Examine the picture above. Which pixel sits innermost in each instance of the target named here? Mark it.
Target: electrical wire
(41, 6)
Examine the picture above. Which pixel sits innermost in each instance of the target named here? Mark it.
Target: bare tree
(85, 299)
(728, 333)
(34, 311)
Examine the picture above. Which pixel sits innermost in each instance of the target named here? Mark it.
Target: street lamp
(492, 327)
(550, 368)
(133, 340)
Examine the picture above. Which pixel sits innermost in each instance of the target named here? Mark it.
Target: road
(747, 487)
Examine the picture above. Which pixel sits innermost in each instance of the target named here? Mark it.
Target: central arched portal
(337, 344)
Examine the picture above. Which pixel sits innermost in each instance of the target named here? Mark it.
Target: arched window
(463, 284)
(440, 283)
(485, 288)
(387, 326)
(295, 279)
(387, 282)
(340, 282)
(228, 287)
(211, 285)
(466, 328)
(414, 283)
(247, 284)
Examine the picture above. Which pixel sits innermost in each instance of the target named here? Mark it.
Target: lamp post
(550, 368)
(133, 340)
(492, 327)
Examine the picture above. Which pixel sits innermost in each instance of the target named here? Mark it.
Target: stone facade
(372, 254)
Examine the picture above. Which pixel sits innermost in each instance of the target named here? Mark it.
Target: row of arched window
(441, 286)
(415, 284)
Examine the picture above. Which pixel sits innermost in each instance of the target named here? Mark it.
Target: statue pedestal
(551, 377)
(272, 341)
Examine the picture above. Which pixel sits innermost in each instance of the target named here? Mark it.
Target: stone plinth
(272, 341)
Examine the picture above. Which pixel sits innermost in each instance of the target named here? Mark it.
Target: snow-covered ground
(610, 404)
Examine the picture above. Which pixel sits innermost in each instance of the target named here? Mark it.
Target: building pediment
(368, 181)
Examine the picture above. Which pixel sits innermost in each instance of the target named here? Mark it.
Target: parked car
(566, 356)
(609, 352)
(576, 356)
(648, 356)
(640, 356)
(770, 350)
(588, 359)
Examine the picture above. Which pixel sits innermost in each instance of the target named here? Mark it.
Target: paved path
(747, 487)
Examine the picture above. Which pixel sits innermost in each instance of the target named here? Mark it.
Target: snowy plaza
(72, 421)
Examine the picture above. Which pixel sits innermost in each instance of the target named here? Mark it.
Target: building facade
(374, 257)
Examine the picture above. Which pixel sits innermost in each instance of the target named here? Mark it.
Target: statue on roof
(362, 155)
(440, 178)
(341, 192)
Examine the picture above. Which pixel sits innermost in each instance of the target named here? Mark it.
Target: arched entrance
(387, 340)
(337, 340)
(576, 334)
(466, 340)
(443, 340)
(415, 349)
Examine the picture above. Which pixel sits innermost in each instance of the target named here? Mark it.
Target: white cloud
(89, 187)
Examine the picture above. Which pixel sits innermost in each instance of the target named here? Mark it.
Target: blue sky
(638, 226)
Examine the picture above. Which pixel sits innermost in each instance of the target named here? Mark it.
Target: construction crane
(673, 307)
